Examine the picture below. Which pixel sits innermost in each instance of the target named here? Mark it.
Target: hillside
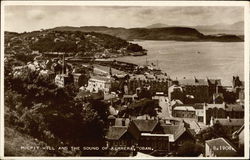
(16, 144)
(235, 28)
(165, 33)
(71, 42)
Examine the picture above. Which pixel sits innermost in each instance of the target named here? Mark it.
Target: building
(184, 112)
(215, 111)
(214, 87)
(199, 111)
(63, 79)
(155, 83)
(197, 89)
(175, 92)
(151, 135)
(178, 135)
(229, 125)
(99, 83)
(219, 147)
(234, 111)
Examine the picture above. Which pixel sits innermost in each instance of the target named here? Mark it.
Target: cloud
(28, 18)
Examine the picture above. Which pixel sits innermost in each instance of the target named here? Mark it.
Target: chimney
(212, 121)
(123, 122)
(63, 64)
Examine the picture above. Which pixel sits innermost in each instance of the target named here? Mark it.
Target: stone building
(198, 89)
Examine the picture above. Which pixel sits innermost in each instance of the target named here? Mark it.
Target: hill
(157, 25)
(165, 33)
(72, 42)
(236, 28)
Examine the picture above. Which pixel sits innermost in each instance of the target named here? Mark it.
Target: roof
(218, 106)
(176, 131)
(221, 147)
(193, 82)
(100, 78)
(215, 82)
(106, 70)
(145, 125)
(141, 155)
(184, 108)
(116, 132)
(138, 77)
(229, 122)
(239, 131)
(234, 107)
(176, 102)
(198, 105)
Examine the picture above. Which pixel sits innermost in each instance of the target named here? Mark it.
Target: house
(235, 111)
(215, 111)
(178, 135)
(99, 83)
(151, 137)
(154, 83)
(184, 111)
(148, 136)
(196, 88)
(219, 147)
(229, 125)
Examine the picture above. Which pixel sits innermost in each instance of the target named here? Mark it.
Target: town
(150, 113)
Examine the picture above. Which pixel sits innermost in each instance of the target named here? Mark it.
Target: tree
(134, 47)
(142, 107)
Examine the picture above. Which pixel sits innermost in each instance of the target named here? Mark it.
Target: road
(163, 103)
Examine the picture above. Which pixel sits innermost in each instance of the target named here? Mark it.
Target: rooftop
(145, 125)
(218, 106)
(193, 82)
(100, 78)
(184, 108)
(221, 147)
(234, 107)
(116, 132)
(198, 105)
(215, 82)
(229, 122)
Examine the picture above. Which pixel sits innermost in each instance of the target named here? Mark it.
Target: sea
(221, 60)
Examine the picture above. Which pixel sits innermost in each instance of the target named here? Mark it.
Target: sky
(29, 18)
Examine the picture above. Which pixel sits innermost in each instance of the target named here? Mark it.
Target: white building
(98, 83)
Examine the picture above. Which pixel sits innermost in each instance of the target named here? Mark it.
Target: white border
(244, 4)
